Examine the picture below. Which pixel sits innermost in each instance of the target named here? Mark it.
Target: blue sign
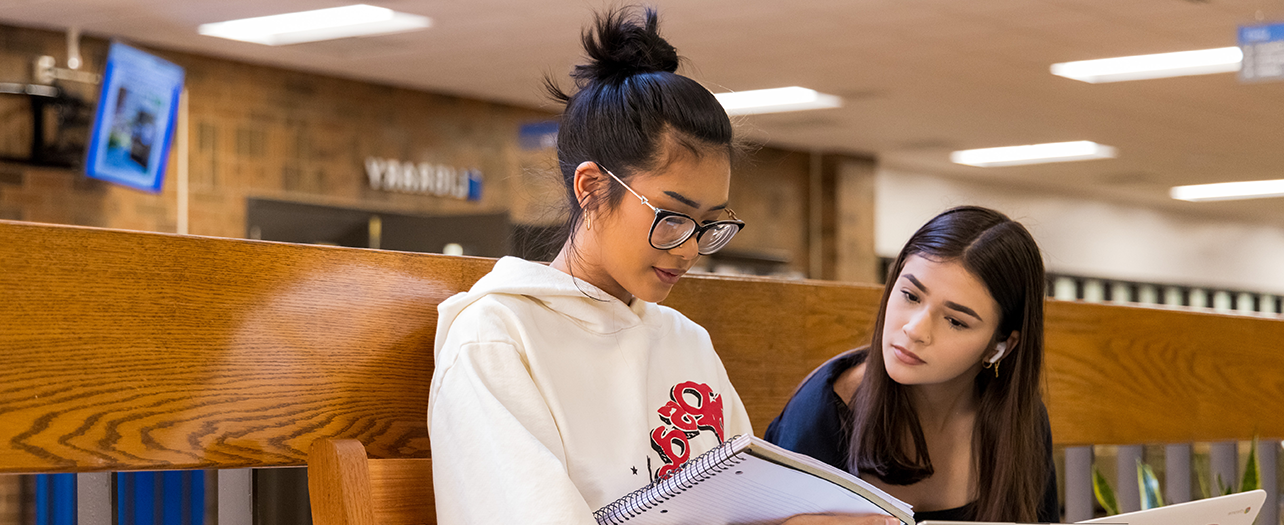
(474, 185)
(1263, 47)
(538, 135)
(137, 109)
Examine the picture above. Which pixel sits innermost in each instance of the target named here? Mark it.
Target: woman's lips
(907, 357)
(668, 276)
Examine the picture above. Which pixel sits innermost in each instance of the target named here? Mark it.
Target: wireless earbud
(999, 350)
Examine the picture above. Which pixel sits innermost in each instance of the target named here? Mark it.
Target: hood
(589, 306)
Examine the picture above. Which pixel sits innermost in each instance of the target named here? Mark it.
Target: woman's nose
(688, 250)
(918, 327)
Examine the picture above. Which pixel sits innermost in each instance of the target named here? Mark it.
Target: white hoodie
(547, 404)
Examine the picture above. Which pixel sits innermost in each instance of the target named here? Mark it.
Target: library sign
(424, 178)
(1263, 50)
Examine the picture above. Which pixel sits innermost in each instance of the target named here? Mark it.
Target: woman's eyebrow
(948, 304)
(914, 280)
(964, 309)
(678, 196)
(693, 204)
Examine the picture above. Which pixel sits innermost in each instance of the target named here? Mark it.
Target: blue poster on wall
(137, 109)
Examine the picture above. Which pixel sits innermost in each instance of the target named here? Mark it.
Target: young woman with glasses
(943, 409)
(558, 389)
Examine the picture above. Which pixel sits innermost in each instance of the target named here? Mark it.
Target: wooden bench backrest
(1115, 374)
(346, 488)
(130, 351)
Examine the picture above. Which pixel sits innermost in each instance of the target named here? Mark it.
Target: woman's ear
(590, 182)
(1002, 348)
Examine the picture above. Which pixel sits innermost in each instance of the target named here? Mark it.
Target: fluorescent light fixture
(1229, 191)
(1033, 154)
(776, 100)
(311, 26)
(1163, 65)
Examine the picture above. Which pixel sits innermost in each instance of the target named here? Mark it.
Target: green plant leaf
(1222, 488)
(1148, 487)
(1105, 494)
(1252, 471)
(1202, 475)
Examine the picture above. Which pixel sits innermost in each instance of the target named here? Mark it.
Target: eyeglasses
(671, 229)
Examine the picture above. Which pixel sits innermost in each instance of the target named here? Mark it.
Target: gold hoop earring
(994, 365)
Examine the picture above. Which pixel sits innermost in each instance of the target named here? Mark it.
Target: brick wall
(262, 132)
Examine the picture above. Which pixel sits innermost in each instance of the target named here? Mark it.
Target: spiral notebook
(749, 481)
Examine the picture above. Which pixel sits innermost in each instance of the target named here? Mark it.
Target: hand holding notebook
(747, 480)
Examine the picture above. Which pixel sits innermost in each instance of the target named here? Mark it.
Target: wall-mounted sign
(537, 135)
(1263, 47)
(424, 178)
(137, 110)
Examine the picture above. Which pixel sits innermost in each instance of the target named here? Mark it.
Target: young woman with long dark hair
(558, 389)
(943, 410)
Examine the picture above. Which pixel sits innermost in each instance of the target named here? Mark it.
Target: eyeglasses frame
(661, 214)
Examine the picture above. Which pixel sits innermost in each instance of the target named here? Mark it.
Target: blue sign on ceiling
(1263, 47)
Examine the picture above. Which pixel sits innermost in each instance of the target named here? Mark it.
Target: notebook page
(816, 467)
(755, 491)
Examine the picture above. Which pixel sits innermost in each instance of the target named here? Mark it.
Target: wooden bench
(138, 351)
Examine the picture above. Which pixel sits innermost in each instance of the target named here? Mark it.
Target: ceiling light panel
(1033, 154)
(312, 26)
(1226, 191)
(776, 100)
(1143, 67)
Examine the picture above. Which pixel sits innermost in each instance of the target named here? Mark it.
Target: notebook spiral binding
(693, 472)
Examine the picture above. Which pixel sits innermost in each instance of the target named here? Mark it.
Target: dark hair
(1009, 438)
(630, 109)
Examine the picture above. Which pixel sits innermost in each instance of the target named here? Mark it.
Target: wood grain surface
(123, 350)
(401, 491)
(127, 351)
(339, 483)
(1130, 375)
(346, 488)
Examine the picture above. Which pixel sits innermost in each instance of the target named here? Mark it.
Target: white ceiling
(920, 77)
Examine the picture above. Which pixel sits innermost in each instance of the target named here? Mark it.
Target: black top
(815, 422)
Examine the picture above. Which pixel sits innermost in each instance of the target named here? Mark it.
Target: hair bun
(620, 45)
